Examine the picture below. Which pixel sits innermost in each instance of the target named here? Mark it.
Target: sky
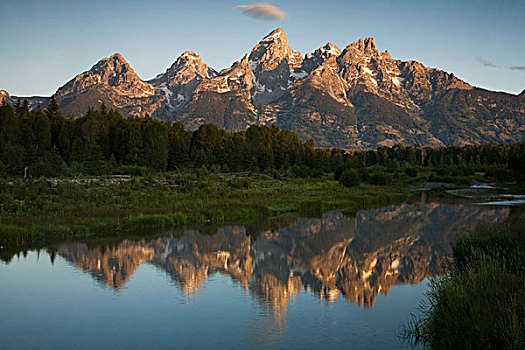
(45, 43)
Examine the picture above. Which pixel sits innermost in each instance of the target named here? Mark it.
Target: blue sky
(46, 43)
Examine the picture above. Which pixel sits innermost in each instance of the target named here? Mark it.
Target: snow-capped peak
(271, 51)
(329, 50)
(190, 55)
(275, 34)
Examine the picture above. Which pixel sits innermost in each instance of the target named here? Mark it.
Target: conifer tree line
(103, 141)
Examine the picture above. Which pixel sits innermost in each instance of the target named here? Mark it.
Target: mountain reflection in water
(335, 255)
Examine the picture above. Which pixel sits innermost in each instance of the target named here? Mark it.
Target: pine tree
(52, 109)
(18, 107)
(103, 109)
(25, 106)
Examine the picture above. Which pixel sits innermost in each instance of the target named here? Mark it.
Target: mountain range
(357, 97)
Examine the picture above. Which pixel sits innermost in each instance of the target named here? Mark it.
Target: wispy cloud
(486, 62)
(262, 11)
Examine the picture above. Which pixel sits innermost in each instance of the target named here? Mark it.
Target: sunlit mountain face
(353, 97)
(335, 256)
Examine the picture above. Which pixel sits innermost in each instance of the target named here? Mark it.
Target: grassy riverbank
(480, 303)
(57, 209)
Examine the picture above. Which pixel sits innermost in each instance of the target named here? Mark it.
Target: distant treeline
(104, 142)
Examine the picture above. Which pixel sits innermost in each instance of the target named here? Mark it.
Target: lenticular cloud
(262, 11)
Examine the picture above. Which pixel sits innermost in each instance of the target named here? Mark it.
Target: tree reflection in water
(331, 256)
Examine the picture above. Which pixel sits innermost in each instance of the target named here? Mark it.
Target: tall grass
(480, 302)
(40, 211)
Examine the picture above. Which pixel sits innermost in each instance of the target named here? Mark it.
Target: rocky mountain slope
(179, 82)
(112, 81)
(357, 97)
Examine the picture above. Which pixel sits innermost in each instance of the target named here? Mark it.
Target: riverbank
(480, 302)
(55, 209)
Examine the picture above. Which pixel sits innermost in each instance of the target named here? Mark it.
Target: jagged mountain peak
(179, 82)
(112, 71)
(314, 60)
(236, 78)
(272, 61)
(357, 97)
(187, 58)
(367, 44)
(366, 47)
(117, 57)
(194, 61)
(275, 34)
(187, 67)
(324, 52)
(385, 55)
(329, 50)
(370, 44)
(112, 81)
(115, 63)
(244, 60)
(188, 54)
(522, 93)
(270, 51)
(114, 60)
(360, 61)
(4, 95)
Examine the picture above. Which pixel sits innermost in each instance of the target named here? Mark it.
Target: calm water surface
(330, 282)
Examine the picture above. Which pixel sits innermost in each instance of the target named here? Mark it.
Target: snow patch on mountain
(396, 82)
(367, 70)
(298, 75)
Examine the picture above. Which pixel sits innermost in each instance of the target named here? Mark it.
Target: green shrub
(442, 171)
(202, 172)
(412, 172)
(380, 178)
(338, 172)
(350, 178)
(364, 174)
(203, 183)
(50, 165)
(3, 169)
(499, 174)
(462, 170)
(240, 182)
(300, 171)
(317, 173)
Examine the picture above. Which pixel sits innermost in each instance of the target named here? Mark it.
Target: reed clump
(480, 302)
